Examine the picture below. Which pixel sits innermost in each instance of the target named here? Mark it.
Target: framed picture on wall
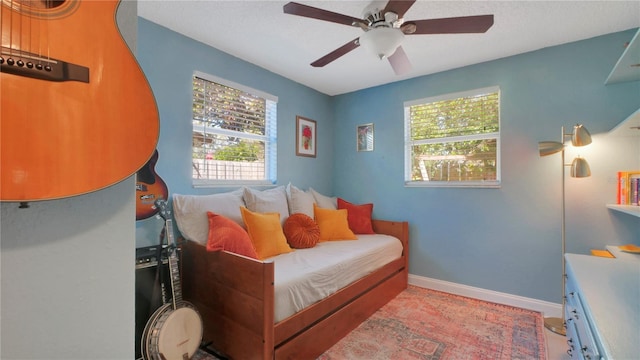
(364, 137)
(306, 137)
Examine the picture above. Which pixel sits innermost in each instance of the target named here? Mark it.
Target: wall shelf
(628, 127)
(627, 209)
(627, 68)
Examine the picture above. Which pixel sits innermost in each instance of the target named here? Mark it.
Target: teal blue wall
(169, 60)
(505, 239)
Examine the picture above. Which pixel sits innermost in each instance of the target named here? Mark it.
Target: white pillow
(266, 201)
(190, 212)
(325, 201)
(300, 201)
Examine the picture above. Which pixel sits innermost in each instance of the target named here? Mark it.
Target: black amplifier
(146, 268)
(147, 256)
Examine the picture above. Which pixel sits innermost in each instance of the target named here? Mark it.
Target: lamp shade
(549, 147)
(581, 136)
(580, 168)
(382, 41)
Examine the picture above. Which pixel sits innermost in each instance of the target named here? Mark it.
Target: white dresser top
(610, 294)
(619, 254)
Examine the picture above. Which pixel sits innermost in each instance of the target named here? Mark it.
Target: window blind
(234, 133)
(453, 139)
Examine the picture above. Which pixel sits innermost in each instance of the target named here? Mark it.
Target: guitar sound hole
(38, 4)
(52, 4)
(39, 8)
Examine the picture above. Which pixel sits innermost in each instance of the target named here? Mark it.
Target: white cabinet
(602, 312)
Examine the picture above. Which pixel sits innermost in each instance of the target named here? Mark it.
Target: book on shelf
(628, 192)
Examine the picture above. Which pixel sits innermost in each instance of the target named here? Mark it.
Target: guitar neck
(174, 271)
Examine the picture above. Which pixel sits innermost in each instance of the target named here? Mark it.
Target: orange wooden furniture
(235, 297)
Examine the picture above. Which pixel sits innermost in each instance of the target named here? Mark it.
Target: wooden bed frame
(235, 297)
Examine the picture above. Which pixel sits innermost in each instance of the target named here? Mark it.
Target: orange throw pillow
(301, 231)
(266, 233)
(359, 216)
(226, 234)
(333, 224)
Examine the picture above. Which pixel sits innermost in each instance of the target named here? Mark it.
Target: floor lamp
(579, 168)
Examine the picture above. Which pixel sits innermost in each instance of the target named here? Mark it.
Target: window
(234, 133)
(453, 140)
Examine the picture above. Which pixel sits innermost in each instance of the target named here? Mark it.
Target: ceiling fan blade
(399, 7)
(400, 62)
(454, 25)
(336, 53)
(294, 8)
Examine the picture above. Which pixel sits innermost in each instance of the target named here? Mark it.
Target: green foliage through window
(234, 131)
(453, 140)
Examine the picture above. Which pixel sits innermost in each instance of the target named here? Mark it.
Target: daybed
(235, 297)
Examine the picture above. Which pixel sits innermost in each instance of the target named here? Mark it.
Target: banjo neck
(174, 271)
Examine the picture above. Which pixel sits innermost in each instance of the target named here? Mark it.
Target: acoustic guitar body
(76, 111)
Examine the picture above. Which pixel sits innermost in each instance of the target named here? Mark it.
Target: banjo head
(183, 334)
(177, 333)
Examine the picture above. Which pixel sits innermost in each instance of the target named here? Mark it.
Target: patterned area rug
(431, 325)
(427, 324)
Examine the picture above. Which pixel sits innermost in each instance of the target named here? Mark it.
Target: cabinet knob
(570, 352)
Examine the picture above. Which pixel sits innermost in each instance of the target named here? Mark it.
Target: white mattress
(306, 276)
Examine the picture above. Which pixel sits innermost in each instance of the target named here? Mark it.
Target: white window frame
(408, 143)
(270, 137)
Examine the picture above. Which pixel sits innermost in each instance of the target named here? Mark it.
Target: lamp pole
(579, 168)
(552, 323)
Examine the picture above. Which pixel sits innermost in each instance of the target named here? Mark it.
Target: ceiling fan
(385, 29)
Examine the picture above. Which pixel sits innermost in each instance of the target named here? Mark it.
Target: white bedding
(306, 276)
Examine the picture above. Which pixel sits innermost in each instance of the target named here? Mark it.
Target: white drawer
(583, 341)
(573, 341)
(603, 296)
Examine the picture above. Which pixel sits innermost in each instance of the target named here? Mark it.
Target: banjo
(174, 331)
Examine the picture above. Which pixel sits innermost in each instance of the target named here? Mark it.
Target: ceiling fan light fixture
(382, 41)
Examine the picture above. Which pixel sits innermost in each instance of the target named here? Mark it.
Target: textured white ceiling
(260, 33)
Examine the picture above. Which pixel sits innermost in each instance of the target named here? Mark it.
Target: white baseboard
(548, 309)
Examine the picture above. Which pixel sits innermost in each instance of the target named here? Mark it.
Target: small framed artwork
(306, 137)
(364, 137)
